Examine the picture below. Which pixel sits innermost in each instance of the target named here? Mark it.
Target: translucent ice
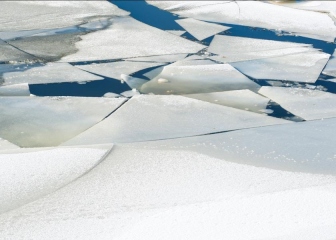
(330, 68)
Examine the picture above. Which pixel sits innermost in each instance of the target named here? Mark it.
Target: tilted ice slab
(115, 69)
(31, 15)
(5, 145)
(257, 14)
(174, 186)
(48, 73)
(241, 99)
(28, 174)
(305, 103)
(21, 89)
(299, 67)
(330, 68)
(127, 38)
(9, 53)
(160, 58)
(199, 29)
(152, 117)
(175, 79)
(49, 121)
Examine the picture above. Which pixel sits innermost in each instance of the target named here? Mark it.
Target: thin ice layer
(127, 38)
(160, 58)
(116, 69)
(199, 29)
(31, 15)
(299, 67)
(49, 121)
(44, 73)
(175, 79)
(256, 14)
(9, 53)
(28, 174)
(21, 89)
(152, 117)
(241, 99)
(330, 68)
(305, 103)
(185, 194)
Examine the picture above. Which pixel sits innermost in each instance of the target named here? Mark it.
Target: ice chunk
(256, 14)
(49, 121)
(305, 103)
(111, 95)
(127, 38)
(160, 58)
(299, 67)
(153, 73)
(199, 29)
(15, 90)
(198, 79)
(34, 15)
(132, 82)
(9, 53)
(130, 93)
(28, 174)
(152, 117)
(44, 73)
(241, 99)
(330, 68)
(115, 69)
(176, 32)
(4, 145)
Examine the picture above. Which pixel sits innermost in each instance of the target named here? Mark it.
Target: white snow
(176, 32)
(160, 58)
(15, 90)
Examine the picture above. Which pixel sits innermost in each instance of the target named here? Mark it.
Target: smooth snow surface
(48, 73)
(49, 121)
(127, 38)
(305, 103)
(199, 29)
(149, 117)
(198, 79)
(21, 89)
(28, 174)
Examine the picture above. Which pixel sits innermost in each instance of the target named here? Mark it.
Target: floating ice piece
(132, 82)
(299, 67)
(330, 68)
(48, 73)
(9, 53)
(199, 29)
(127, 38)
(256, 14)
(34, 15)
(15, 90)
(198, 79)
(172, 184)
(115, 69)
(49, 121)
(241, 99)
(305, 103)
(111, 95)
(5, 145)
(152, 117)
(28, 174)
(153, 73)
(160, 58)
(176, 32)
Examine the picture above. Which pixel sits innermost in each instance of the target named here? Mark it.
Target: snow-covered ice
(21, 89)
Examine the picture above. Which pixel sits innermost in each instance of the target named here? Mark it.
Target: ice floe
(127, 38)
(5, 145)
(21, 89)
(330, 68)
(305, 103)
(198, 79)
(176, 32)
(49, 121)
(43, 73)
(241, 99)
(199, 29)
(152, 117)
(160, 58)
(299, 67)
(28, 174)
(9, 53)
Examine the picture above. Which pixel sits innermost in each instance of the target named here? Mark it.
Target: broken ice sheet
(5, 145)
(49, 121)
(10, 54)
(116, 69)
(300, 67)
(330, 68)
(176, 32)
(132, 82)
(152, 117)
(256, 14)
(34, 15)
(127, 38)
(44, 73)
(305, 103)
(21, 89)
(175, 79)
(28, 174)
(199, 29)
(241, 99)
(160, 58)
